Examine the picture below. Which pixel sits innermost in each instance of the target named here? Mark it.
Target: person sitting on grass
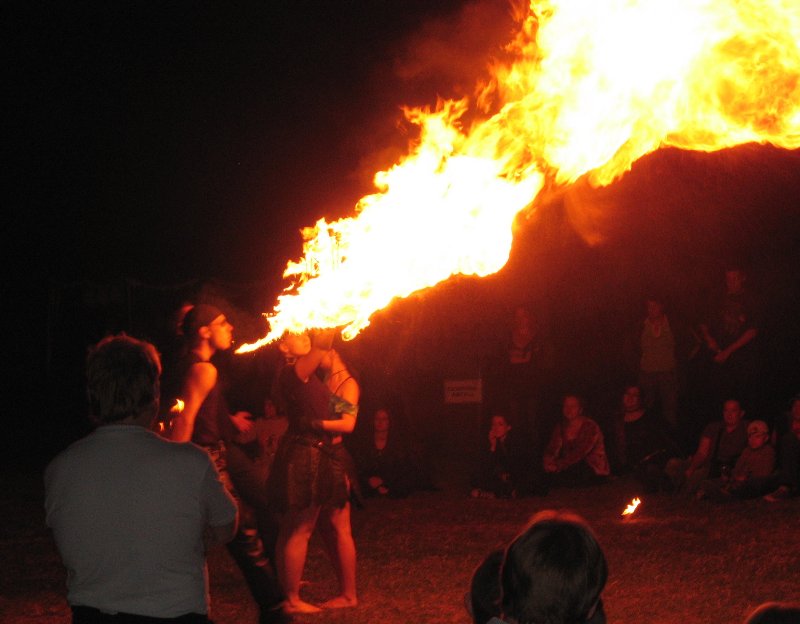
(788, 475)
(576, 452)
(497, 474)
(554, 572)
(720, 445)
(750, 477)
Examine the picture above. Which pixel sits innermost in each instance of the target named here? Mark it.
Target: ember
(593, 87)
(632, 506)
(178, 407)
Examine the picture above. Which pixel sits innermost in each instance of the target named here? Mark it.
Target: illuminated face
(632, 399)
(499, 427)
(296, 345)
(221, 333)
(734, 280)
(381, 420)
(571, 408)
(732, 413)
(757, 439)
(654, 309)
(794, 423)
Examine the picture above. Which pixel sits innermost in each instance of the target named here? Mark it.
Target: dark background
(164, 151)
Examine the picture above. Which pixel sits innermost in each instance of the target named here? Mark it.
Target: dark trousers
(247, 550)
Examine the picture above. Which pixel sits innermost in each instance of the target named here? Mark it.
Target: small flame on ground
(631, 507)
(178, 407)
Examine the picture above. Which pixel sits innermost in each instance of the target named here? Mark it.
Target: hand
(242, 421)
(722, 356)
(375, 482)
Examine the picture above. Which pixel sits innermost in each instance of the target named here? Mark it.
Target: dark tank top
(213, 423)
(304, 402)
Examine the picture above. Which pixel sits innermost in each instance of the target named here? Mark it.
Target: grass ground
(674, 561)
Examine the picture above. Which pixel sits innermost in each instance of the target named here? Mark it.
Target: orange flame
(631, 507)
(178, 407)
(593, 86)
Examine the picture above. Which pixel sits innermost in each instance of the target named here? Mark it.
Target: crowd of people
(665, 428)
(264, 497)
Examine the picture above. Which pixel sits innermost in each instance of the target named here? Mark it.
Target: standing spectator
(658, 365)
(731, 333)
(128, 509)
(207, 421)
(520, 378)
(720, 445)
(576, 453)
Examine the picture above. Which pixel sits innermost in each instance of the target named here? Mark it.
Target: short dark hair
(484, 588)
(774, 613)
(122, 378)
(553, 572)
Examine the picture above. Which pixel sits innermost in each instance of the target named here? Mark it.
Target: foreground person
(128, 509)
(553, 573)
(310, 480)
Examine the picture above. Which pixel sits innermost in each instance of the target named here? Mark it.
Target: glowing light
(178, 407)
(632, 506)
(592, 87)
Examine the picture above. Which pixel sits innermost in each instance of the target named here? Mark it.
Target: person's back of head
(483, 600)
(775, 613)
(122, 379)
(554, 572)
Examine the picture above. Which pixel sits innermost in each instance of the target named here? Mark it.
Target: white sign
(463, 391)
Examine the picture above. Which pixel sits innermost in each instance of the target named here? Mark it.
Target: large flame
(593, 86)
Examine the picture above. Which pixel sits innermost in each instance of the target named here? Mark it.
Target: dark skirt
(309, 473)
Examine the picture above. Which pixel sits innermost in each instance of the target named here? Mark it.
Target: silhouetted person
(554, 572)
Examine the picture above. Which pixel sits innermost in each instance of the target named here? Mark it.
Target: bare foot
(340, 602)
(298, 606)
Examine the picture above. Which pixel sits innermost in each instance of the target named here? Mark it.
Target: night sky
(173, 141)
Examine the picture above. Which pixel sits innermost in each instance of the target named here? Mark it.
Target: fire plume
(590, 87)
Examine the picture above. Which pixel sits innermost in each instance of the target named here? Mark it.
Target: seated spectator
(720, 445)
(498, 472)
(483, 599)
(644, 441)
(554, 572)
(385, 464)
(576, 452)
(775, 613)
(752, 473)
(788, 459)
(131, 512)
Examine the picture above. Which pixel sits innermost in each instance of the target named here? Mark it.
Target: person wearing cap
(207, 421)
(132, 513)
(787, 479)
(751, 476)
